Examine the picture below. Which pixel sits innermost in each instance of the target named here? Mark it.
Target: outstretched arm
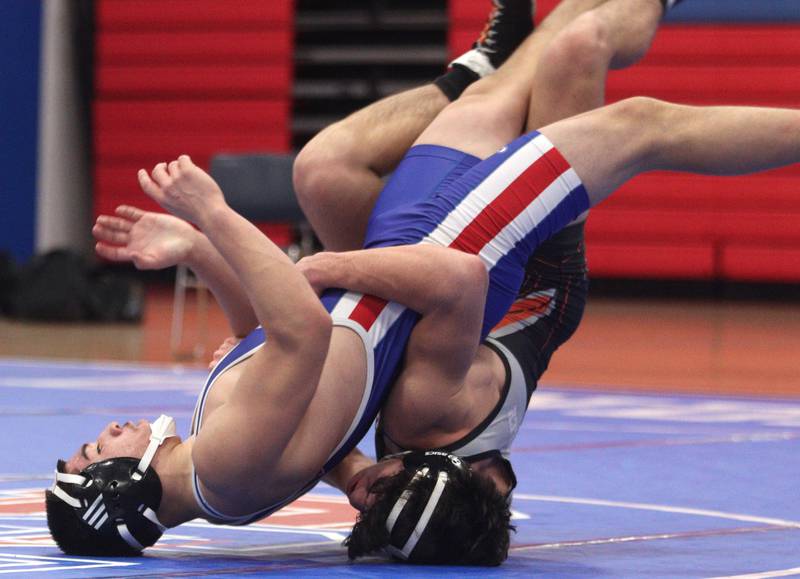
(156, 241)
(248, 434)
(267, 276)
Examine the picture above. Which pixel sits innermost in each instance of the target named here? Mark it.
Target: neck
(173, 463)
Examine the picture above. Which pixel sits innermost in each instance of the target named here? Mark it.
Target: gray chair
(250, 180)
(259, 187)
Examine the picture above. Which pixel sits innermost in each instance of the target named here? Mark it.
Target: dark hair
(119, 506)
(471, 524)
(74, 537)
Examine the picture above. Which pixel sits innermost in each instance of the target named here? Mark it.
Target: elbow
(309, 330)
(322, 326)
(315, 340)
(476, 272)
(469, 278)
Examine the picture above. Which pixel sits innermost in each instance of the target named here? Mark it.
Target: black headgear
(117, 499)
(434, 464)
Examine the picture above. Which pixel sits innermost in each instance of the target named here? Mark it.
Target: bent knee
(646, 121)
(643, 111)
(582, 46)
(315, 170)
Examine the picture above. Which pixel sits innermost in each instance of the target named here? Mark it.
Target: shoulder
(420, 414)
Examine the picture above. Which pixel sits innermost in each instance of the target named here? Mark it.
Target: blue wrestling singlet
(500, 209)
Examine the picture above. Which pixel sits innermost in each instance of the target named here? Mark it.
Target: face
(113, 441)
(358, 488)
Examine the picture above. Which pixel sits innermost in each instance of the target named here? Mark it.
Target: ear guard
(442, 467)
(117, 499)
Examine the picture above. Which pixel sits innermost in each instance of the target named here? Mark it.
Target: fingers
(117, 253)
(112, 252)
(227, 344)
(165, 173)
(164, 184)
(160, 175)
(128, 212)
(223, 349)
(185, 162)
(115, 223)
(110, 234)
(114, 230)
(149, 186)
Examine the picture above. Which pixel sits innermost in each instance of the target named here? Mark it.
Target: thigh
(398, 217)
(501, 210)
(524, 194)
(610, 145)
(549, 305)
(423, 170)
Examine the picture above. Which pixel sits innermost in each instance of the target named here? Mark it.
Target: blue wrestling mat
(610, 485)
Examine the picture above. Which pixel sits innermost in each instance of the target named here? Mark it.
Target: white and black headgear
(115, 500)
(433, 464)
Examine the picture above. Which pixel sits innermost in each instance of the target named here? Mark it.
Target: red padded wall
(669, 225)
(186, 76)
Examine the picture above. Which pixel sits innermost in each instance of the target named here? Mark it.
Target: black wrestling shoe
(508, 24)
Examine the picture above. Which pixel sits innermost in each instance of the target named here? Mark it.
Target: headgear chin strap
(121, 491)
(427, 463)
(160, 430)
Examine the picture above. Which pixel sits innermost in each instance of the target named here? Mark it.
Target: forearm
(207, 263)
(353, 463)
(281, 297)
(421, 277)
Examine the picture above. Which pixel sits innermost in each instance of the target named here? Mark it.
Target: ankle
(455, 81)
(508, 24)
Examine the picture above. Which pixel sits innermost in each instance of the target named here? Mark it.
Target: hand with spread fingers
(183, 189)
(149, 240)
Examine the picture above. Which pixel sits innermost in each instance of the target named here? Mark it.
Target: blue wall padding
(20, 30)
(736, 11)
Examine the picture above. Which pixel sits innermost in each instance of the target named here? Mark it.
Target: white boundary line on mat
(764, 574)
(661, 508)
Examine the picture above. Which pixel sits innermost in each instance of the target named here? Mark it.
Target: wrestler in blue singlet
(501, 209)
